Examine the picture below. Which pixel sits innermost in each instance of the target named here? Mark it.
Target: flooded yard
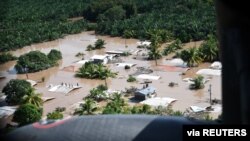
(72, 44)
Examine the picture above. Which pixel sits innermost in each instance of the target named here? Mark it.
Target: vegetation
(32, 98)
(55, 115)
(54, 55)
(131, 79)
(88, 108)
(198, 83)
(95, 71)
(79, 54)
(176, 45)
(27, 114)
(15, 90)
(209, 51)
(115, 106)
(98, 93)
(5, 57)
(186, 20)
(23, 23)
(90, 47)
(99, 44)
(191, 56)
(35, 61)
(154, 52)
(60, 109)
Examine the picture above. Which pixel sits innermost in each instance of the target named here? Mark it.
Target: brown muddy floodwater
(72, 44)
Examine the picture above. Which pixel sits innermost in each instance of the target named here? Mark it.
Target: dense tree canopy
(55, 55)
(27, 114)
(186, 20)
(35, 61)
(15, 90)
(32, 21)
(23, 23)
(5, 57)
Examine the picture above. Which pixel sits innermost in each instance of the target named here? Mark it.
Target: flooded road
(72, 44)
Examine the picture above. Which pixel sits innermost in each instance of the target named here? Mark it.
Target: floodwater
(72, 44)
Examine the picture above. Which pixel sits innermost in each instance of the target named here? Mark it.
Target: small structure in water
(145, 93)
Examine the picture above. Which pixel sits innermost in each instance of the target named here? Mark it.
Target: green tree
(32, 62)
(27, 114)
(5, 57)
(32, 98)
(209, 50)
(88, 108)
(198, 83)
(146, 109)
(154, 52)
(176, 45)
(131, 79)
(90, 47)
(191, 56)
(99, 44)
(113, 14)
(54, 55)
(95, 71)
(55, 115)
(115, 106)
(98, 93)
(15, 90)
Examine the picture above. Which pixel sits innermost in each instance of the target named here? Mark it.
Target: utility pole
(210, 94)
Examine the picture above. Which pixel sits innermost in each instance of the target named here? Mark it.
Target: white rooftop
(99, 57)
(146, 76)
(177, 62)
(82, 62)
(63, 88)
(158, 101)
(209, 72)
(216, 65)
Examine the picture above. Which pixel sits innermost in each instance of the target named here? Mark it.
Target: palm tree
(106, 73)
(191, 56)
(95, 71)
(116, 105)
(99, 44)
(154, 52)
(194, 57)
(198, 83)
(32, 98)
(88, 108)
(128, 34)
(209, 49)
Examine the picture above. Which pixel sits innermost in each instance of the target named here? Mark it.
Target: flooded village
(169, 79)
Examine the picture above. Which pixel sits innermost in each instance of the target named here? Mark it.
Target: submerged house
(145, 93)
(103, 59)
